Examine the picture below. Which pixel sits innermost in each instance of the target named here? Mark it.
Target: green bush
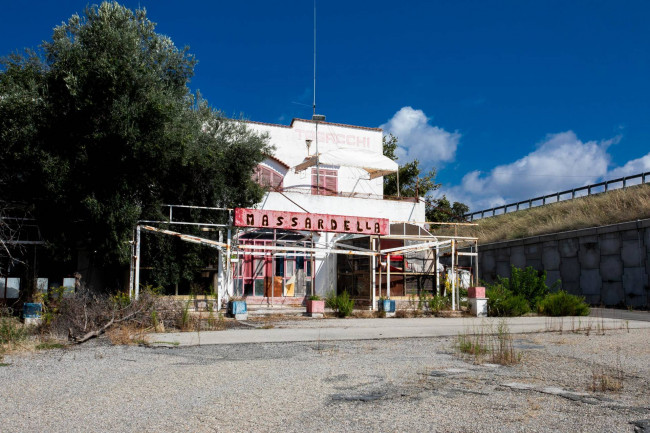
(563, 304)
(341, 304)
(438, 303)
(503, 303)
(527, 282)
(519, 294)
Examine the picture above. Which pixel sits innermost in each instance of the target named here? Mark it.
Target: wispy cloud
(635, 166)
(420, 140)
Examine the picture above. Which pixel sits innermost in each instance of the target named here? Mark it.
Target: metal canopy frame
(427, 241)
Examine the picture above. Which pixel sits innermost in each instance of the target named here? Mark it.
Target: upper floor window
(326, 183)
(267, 177)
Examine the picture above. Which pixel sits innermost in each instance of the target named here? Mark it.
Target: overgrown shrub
(503, 303)
(527, 282)
(518, 294)
(563, 304)
(341, 304)
(12, 333)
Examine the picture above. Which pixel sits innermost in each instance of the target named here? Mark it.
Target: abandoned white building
(325, 224)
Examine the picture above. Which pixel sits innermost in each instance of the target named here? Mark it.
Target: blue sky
(507, 99)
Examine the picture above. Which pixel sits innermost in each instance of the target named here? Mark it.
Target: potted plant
(386, 305)
(315, 306)
(237, 308)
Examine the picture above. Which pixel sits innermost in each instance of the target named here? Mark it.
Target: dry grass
(489, 344)
(613, 207)
(605, 382)
(125, 335)
(363, 314)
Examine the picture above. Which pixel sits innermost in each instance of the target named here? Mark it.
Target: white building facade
(317, 168)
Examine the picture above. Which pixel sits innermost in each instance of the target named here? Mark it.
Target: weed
(473, 345)
(604, 382)
(412, 302)
(488, 344)
(341, 304)
(364, 314)
(185, 319)
(423, 301)
(12, 333)
(401, 314)
(504, 353)
(562, 303)
(607, 379)
(124, 334)
(171, 343)
(438, 303)
(46, 345)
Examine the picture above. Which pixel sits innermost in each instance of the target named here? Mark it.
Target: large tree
(99, 128)
(414, 183)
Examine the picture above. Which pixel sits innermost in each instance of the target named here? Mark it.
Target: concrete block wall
(608, 265)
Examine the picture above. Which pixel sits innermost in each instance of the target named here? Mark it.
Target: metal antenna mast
(314, 105)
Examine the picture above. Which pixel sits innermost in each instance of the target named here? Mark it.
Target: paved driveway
(387, 328)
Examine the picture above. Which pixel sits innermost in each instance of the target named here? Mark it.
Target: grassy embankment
(612, 207)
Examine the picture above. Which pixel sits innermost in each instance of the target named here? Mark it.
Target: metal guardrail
(569, 194)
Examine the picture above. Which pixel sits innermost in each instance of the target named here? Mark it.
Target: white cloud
(560, 162)
(635, 166)
(419, 140)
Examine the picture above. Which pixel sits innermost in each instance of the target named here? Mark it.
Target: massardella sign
(310, 222)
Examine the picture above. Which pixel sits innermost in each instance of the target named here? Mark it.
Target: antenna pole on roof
(314, 111)
(314, 104)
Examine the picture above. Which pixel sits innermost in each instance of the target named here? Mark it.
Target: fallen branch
(100, 331)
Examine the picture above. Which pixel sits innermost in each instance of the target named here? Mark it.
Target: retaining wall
(608, 265)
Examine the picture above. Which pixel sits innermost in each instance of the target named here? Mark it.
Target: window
(267, 177)
(328, 180)
(255, 269)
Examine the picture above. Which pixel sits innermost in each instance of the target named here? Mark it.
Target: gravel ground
(417, 384)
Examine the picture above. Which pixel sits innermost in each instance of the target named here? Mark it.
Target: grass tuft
(489, 345)
(613, 207)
